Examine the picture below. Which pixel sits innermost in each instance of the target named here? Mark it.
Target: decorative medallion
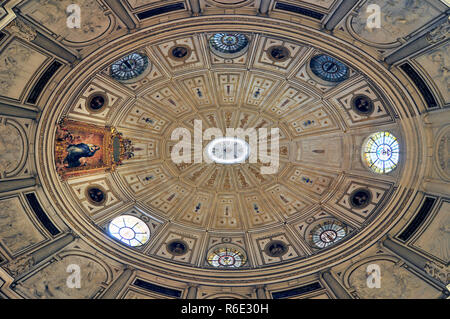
(180, 52)
(177, 247)
(96, 195)
(360, 198)
(96, 102)
(362, 105)
(275, 248)
(278, 53)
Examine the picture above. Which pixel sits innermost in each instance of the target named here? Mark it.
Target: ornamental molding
(22, 30)
(441, 273)
(19, 266)
(441, 33)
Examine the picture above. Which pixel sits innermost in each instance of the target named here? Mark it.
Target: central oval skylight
(228, 150)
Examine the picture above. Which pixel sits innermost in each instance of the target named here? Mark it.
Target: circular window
(228, 150)
(279, 53)
(96, 102)
(130, 230)
(129, 67)
(360, 198)
(96, 195)
(276, 248)
(180, 52)
(362, 105)
(226, 257)
(229, 45)
(327, 233)
(381, 152)
(328, 68)
(177, 247)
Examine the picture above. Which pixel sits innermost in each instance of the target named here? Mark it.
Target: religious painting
(86, 149)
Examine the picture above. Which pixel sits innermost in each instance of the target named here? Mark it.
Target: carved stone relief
(18, 64)
(436, 64)
(52, 14)
(12, 149)
(17, 230)
(443, 154)
(436, 238)
(399, 19)
(51, 281)
(396, 283)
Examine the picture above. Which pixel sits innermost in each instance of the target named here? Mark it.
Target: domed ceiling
(343, 173)
(269, 82)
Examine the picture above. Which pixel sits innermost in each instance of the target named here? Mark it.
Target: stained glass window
(130, 230)
(226, 257)
(328, 68)
(228, 43)
(381, 152)
(129, 67)
(328, 233)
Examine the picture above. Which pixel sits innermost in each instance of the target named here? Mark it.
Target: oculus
(327, 233)
(96, 195)
(96, 102)
(129, 67)
(177, 247)
(381, 152)
(360, 198)
(229, 45)
(226, 256)
(130, 230)
(279, 53)
(180, 52)
(228, 150)
(275, 248)
(362, 105)
(328, 68)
